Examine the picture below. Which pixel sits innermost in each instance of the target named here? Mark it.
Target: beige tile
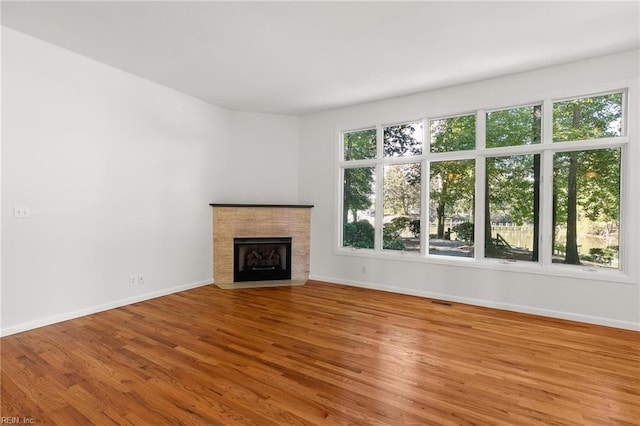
(232, 222)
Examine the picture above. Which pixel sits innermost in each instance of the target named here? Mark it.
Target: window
(534, 197)
(586, 207)
(360, 145)
(402, 194)
(358, 206)
(403, 139)
(586, 183)
(588, 118)
(511, 207)
(513, 127)
(358, 190)
(453, 134)
(402, 188)
(451, 216)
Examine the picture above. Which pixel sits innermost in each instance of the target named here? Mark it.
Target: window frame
(546, 148)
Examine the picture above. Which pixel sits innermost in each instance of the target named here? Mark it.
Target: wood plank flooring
(319, 354)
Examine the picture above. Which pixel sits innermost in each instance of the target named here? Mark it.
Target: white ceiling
(303, 57)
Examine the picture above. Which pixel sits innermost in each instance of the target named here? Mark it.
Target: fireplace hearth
(262, 259)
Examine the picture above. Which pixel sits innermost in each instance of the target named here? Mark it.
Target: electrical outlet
(21, 212)
(364, 269)
(133, 280)
(140, 279)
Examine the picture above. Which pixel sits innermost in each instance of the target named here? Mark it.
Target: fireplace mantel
(271, 206)
(231, 220)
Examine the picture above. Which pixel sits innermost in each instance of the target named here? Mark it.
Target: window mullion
(546, 209)
(425, 174)
(379, 142)
(339, 225)
(545, 243)
(425, 193)
(480, 188)
(624, 221)
(379, 185)
(481, 130)
(547, 122)
(426, 136)
(625, 109)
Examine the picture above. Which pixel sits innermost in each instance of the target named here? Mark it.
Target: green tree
(358, 182)
(402, 187)
(358, 234)
(452, 189)
(402, 182)
(360, 145)
(452, 182)
(586, 184)
(401, 140)
(587, 181)
(513, 183)
(453, 134)
(358, 188)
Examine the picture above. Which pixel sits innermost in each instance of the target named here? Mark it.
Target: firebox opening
(260, 259)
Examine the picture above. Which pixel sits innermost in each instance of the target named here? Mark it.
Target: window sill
(557, 270)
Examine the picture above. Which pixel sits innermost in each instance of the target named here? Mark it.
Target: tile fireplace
(265, 244)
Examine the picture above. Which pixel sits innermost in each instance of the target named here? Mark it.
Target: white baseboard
(41, 322)
(627, 325)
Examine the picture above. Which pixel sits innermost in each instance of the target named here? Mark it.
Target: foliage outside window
(402, 193)
(511, 213)
(451, 215)
(513, 127)
(453, 134)
(360, 145)
(588, 118)
(357, 215)
(586, 207)
(586, 183)
(582, 203)
(403, 139)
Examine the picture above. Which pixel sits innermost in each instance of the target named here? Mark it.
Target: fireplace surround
(254, 222)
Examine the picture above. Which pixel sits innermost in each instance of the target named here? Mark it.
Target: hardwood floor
(319, 354)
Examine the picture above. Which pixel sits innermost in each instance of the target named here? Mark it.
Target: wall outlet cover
(21, 212)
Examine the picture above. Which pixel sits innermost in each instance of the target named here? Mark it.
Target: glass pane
(512, 127)
(512, 207)
(358, 214)
(588, 118)
(586, 208)
(451, 214)
(403, 139)
(360, 145)
(453, 134)
(401, 186)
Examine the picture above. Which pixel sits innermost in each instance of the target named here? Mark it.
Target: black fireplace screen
(260, 259)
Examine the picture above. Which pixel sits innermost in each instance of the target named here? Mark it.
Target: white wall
(262, 158)
(615, 303)
(118, 173)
